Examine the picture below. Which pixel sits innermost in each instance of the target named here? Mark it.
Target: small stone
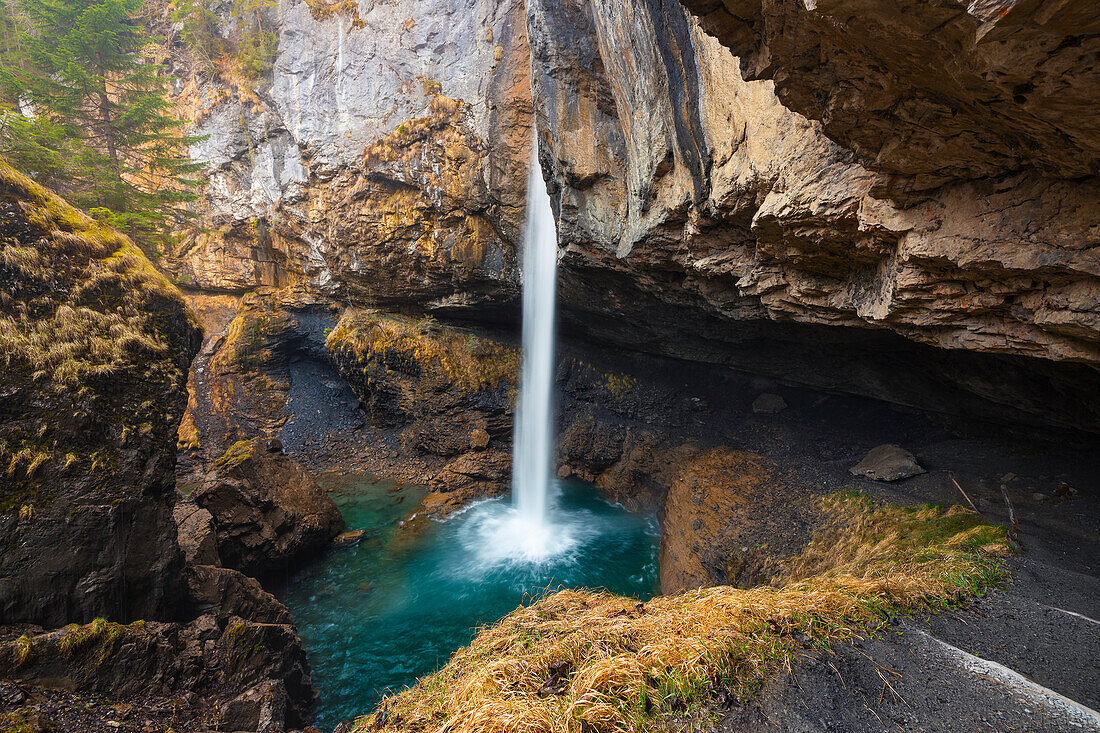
(1066, 491)
(768, 404)
(347, 539)
(479, 439)
(697, 525)
(565, 471)
(1040, 497)
(1007, 478)
(887, 463)
(274, 445)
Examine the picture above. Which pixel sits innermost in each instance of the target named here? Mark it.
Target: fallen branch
(968, 501)
(1011, 511)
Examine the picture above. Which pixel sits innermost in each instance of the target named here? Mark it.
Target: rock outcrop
(932, 92)
(267, 511)
(832, 212)
(94, 347)
(237, 665)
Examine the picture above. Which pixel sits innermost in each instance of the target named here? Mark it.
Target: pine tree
(80, 71)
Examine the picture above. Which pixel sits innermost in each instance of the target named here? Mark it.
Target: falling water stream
(377, 616)
(534, 424)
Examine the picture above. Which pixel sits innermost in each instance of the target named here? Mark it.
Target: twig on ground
(1011, 510)
(960, 488)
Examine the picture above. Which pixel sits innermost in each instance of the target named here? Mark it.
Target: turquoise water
(377, 616)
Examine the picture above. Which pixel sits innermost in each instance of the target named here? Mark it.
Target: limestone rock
(268, 511)
(820, 227)
(887, 463)
(768, 404)
(899, 81)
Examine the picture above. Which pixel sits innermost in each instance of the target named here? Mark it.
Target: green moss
(618, 385)
(236, 454)
(463, 360)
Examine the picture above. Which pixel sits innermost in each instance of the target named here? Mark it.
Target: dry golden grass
(101, 324)
(464, 360)
(187, 436)
(628, 663)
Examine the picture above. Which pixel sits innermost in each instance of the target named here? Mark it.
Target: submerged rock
(347, 539)
(268, 511)
(887, 463)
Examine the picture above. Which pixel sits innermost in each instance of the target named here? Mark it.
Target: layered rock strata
(822, 227)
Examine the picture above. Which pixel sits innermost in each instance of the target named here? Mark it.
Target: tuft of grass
(236, 454)
(24, 650)
(627, 664)
(95, 641)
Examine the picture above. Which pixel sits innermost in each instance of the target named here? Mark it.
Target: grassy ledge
(582, 661)
(396, 343)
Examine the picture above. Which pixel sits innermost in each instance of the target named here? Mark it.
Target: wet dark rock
(214, 590)
(888, 463)
(268, 511)
(211, 656)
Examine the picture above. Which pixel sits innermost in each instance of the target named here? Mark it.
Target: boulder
(195, 534)
(219, 591)
(887, 463)
(268, 512)
(768, 404)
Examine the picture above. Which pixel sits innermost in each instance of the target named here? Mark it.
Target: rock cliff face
(831, 207)
(94, 347)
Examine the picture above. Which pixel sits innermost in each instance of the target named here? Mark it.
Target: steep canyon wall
(765, 211)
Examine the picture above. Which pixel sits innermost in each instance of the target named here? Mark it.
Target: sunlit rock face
(685, 189)
(701, 215)
(380, 160)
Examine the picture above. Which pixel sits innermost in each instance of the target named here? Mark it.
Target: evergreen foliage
(83, 109)
(249, 55)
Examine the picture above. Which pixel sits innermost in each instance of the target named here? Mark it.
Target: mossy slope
(94, 345)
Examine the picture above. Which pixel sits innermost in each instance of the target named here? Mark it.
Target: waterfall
(534, 438)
